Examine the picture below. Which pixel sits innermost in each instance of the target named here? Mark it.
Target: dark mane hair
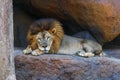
(41, 25)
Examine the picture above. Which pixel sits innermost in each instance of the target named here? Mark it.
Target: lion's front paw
(27, 51)
(36, 52)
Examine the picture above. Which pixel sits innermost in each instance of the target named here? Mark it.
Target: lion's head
(46, 34)
(44, 41)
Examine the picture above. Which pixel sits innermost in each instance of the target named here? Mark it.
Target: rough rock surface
(100, 17)
(66, 67)
(7, 71)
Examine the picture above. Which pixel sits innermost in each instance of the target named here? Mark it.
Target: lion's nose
(44, 46)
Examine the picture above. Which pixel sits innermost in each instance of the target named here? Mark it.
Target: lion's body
(71, 45)
(47, 36)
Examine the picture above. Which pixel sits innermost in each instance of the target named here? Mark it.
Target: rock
(66, 67)
(7, 70)
(22, 22)
(114, 44)
(113, 52)
(84, 35)
(100, 17)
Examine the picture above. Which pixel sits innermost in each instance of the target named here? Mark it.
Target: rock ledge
(66, 67)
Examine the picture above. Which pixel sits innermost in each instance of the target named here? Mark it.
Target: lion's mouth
(45, 50)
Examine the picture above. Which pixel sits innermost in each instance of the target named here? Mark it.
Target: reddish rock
(66, 67)
(100, 17)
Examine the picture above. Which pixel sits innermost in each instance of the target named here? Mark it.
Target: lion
(47, 36)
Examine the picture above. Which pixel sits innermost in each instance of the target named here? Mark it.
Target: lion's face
(44, 41)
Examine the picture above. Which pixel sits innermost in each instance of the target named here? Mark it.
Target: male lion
(47, 36)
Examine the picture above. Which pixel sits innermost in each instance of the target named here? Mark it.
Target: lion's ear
(53, 31)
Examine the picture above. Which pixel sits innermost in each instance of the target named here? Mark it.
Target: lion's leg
(86, 51)
(100, 53)
(82, 53)
(30, 48)
(87, 54)
(27, 50)
(91, 52)
(37, 52)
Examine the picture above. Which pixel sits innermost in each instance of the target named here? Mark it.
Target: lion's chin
(45, 50)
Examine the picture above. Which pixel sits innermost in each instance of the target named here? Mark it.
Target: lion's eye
(39, 39)
(48, 38)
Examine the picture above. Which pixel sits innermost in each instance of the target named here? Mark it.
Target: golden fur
(60, 43)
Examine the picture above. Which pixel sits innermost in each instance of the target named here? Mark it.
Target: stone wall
(6, 41)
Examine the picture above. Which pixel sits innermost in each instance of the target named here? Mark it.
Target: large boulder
(66, 67)
(100, 17)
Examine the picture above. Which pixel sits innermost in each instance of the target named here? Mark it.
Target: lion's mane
(52, 26)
